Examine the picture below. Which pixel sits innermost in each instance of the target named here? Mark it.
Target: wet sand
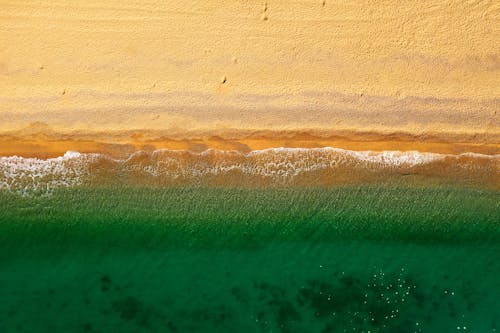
(42, 142)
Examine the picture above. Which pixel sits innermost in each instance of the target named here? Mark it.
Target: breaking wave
(275, 166)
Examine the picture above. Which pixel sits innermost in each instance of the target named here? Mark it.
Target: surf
(326, 166)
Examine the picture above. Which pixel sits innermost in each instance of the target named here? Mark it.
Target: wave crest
(274, 166)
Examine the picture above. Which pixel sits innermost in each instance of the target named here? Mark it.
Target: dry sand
(426, 68)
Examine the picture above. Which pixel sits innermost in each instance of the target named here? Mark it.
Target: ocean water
(195, 258)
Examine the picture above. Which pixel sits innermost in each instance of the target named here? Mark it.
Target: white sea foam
(24, 175)
(280, 165)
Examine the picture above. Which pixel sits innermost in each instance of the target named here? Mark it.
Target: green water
(353, 259)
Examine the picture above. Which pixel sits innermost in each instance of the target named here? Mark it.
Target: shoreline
(40, 141)
(274, 167)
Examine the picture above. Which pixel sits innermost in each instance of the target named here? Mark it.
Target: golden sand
(415, 67)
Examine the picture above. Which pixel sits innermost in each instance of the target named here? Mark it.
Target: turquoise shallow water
(354, 259)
